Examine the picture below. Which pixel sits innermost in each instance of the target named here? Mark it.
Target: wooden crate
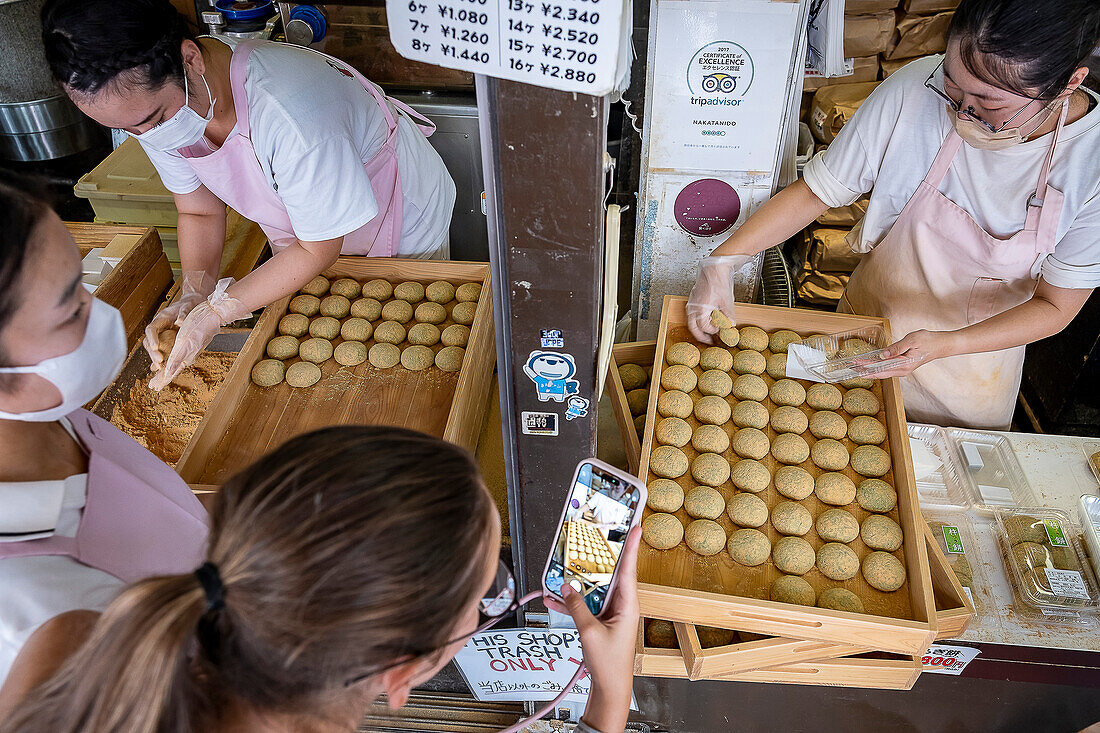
(679, 585)
(873, 670)
(245, 421)
(140, 281)
(640, 353)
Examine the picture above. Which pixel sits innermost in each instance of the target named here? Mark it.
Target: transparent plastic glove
(198, 328)
(713, 291)
(195, 287)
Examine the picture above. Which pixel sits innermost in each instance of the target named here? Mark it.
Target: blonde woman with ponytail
(328, 580)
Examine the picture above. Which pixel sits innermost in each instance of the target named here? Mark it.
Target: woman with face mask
(983, 229)
(83, 508)
(292, 139)
(328, 581)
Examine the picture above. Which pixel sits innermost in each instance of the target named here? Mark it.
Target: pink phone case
(634, 520)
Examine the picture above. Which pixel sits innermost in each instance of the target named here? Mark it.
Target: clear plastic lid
(1044, 561)
(849, 354)
(955, 535)
(938, 481)
(1089, 509)
(990, 470)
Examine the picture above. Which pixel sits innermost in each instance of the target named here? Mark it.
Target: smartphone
(603, 505)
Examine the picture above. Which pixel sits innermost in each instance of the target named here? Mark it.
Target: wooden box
(245, 421)
(874, 670)
(140, 281)
(678, 585)
(640, 353)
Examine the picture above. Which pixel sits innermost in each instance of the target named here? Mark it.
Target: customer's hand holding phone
(609, 642)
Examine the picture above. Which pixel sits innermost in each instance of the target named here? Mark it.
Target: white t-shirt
(313, 129)
(890, 143)
(37, 588)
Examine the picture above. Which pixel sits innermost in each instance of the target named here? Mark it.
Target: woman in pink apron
(83, 507)
(983, 230)
(292, 139)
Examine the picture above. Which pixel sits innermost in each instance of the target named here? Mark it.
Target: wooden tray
(873, 671)
(140, 281)
(679, 585)
(245, 421)
(640, 353)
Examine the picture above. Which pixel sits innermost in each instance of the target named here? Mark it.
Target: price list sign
(571, 45)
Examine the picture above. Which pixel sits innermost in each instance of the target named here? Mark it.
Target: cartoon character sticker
(552, 374)
(578, 407)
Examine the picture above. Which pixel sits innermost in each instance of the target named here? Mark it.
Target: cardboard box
(866, 35)
(864, 69)
(834, 105)
(919, 35)
(926, 7)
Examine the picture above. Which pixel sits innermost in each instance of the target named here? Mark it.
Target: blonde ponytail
(132, 675)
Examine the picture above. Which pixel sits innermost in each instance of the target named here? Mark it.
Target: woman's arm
(609, 642)
(285, 273)
(780, 218)
(43, 654)
(1046, 313)
(201, 230)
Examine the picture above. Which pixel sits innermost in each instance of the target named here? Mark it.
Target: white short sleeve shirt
(313, 129)
(890, 143)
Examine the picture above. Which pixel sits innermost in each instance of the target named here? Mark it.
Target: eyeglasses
(498, 602)
(969, 111)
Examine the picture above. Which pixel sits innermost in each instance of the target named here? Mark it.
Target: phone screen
(599, 513)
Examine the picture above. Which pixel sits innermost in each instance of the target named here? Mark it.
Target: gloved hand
(713, 290)
(195, 287)
(198, 328)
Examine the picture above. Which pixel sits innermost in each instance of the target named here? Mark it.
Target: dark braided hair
(90, 43)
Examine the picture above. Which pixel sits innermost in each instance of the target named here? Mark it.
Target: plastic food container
(989, 467)
(938, 482)
(955, 536)
(1089, 508)
(838, 356)
(1045, 566)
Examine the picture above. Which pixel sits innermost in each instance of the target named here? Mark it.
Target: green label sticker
(953, 539)
(1055, 534)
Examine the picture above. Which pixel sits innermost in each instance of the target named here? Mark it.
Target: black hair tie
(211, 582)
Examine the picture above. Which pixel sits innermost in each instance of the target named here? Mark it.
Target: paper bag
(834, 105)
(926, 7)
(821, 288)
(863, 7)
(919, 35)
(845, 216)
(866, 35)
(824, 249)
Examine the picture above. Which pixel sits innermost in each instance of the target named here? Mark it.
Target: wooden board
(245, 421)
(138, 284)
(871, 671)
(954, 610)
(679, 585)
(640, 353)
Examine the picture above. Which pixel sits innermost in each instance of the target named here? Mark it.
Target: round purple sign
(707, 207)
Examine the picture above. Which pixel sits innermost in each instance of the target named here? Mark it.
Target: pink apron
(140, 519)
(937, 269)
(233, 174)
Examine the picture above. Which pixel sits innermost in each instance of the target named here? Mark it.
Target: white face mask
(82, 374)
(181, 130)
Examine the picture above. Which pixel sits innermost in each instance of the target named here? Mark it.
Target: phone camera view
(597, 520)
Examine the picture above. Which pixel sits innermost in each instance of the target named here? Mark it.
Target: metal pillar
(542, 153)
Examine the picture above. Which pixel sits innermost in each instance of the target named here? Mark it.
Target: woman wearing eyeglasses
(983, 229)
(327, 582)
